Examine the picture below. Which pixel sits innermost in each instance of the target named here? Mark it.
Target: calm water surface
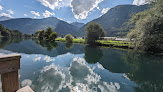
(59, 67)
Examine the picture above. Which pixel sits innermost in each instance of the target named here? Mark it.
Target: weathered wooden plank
(9, 57)
(9, 66)
(25, 89)
(10, 81)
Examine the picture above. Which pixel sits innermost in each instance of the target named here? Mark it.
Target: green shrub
(53, 36)
(69, 38)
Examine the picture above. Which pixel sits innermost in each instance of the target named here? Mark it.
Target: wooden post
(9, 66)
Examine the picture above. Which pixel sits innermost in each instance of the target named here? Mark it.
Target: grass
(107, 43)
(115, 43)
(74, 40)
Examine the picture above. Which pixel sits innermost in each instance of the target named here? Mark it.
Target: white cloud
(10, 11)
(98, 8)
(81, 8)
(1, 8)
(35, 13)
(48, 59)
(141, 2)
(52, 4)
(105, 10)
(25, 15)
(36, 59)
(6, 15)
(47, 14)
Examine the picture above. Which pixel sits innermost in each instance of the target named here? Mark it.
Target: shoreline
(101, 43)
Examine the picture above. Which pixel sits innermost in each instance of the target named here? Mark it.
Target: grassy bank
(106, 43)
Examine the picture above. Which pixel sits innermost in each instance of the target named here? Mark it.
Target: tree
(148, 31)
(48, 32)
(69, 38)
(94, 31)
(53, 36)
(41, 34)
(9, 32)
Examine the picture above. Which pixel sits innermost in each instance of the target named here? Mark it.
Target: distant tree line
(8, 32)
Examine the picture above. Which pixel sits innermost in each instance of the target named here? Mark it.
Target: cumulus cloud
(35, 13)
(25, 15)
(81, 8)
(1, 8)
(26, 82)
(6, 15)
(52, 4)
(105, 10)
(47, 14)
(141, 2)
(10, 11)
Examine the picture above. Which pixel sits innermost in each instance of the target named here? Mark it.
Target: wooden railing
(9, 66)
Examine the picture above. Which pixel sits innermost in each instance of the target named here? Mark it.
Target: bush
(53, 36)
(69, 38)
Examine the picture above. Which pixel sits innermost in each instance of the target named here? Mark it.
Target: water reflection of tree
(147, 71)
(4, 41)
(68, 45)
(93, 54)
(49, 45)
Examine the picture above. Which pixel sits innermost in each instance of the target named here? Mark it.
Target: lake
(60, 67)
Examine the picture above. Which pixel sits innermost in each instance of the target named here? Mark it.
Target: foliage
(48, 32)
(8, 32)
(94, 31)
(111, 43)
(53, 36)
(108, 43)
(47, 35)
(69, 38)
(148, 31)
(41, 34)
(27, 35)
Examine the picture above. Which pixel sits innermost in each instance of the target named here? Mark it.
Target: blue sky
(67, 10)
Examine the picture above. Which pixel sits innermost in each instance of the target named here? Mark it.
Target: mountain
(77, 24)
(115, 20)
(30, 26)
(3, 18)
